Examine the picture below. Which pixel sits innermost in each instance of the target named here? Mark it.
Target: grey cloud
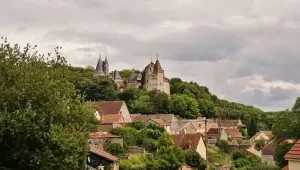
(279, 94)
(227, 40)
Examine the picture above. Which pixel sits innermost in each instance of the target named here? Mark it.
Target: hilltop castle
(153, 77)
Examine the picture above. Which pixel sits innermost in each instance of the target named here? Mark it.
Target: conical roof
(99, 67)
(157, 67)
(116, 75)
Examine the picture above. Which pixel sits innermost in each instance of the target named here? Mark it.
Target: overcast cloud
(244, 51)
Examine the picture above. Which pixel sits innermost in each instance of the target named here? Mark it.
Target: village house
(169, 121)
(100, 160)
(267, 153)
(213, 135)
(192, 141)
(293, 157)
(103, 139)
(262, 135)
(111, 114)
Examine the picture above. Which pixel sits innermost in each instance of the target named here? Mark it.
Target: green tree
(184, 106)
(160, 101)
(131, 94)
(193, 159)
(116, 149)
(252, 126)
(242, 163)
(100, 88)
(238, 154)
(223, 145)
(142, 105)
(43, 123)
(296, 107)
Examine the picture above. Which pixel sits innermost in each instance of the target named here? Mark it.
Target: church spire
(99, 67)
(156, 56)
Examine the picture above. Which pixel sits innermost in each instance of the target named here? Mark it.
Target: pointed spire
(99, 67)
(106, 58)
(157, 56)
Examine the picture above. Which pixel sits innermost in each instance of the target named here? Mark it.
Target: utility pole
(206, 142)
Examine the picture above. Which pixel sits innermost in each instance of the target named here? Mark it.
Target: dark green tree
(116, 149)
(43, 123)
(160, 102)
(184, 106)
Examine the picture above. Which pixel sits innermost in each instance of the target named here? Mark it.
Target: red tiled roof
(103, 154)
(285, 168)
(181, 140)
(109, 107)
(99, 135)
(235, 133)
(213, 131)
(294, 152)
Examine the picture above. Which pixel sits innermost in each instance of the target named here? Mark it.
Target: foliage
(242, 162)
(193, 159)
(184, 106)
(252, 126)
(135, 162)
(43, 123)
(223, 145)
(125, 74)
(215, 155)
(259, 144)
(239, 153)
(280, 152)
(142, 105)
(116, 149)
(160, 101)
(97, 89)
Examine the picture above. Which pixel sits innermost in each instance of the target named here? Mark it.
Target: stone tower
(155, 77)
(99, 68)
(105, 66)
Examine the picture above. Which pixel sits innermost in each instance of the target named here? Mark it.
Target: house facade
(191, 141)
(100, 160)
(293, 157)
(112, 111)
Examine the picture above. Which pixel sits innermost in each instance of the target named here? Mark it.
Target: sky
(245, 51)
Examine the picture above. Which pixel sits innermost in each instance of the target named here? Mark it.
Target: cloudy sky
(244, 50)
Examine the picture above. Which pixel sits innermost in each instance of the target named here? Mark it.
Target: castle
(153, 77)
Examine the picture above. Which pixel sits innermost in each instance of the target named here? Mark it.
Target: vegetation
(43, 123)
(286, 128)
(223, 145)
(163, 153)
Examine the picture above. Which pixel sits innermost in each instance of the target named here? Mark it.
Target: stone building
(118, 80)
(154, 78)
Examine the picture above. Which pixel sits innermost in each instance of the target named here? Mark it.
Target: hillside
(188, 100)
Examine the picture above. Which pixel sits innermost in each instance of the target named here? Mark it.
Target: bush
(223, 145)
(115, 149)
(242, 163)
(238, 154)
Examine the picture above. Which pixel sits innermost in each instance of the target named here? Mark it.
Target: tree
(223, 145)
(184, 106)
(116, 149)
(242, 163)
(43, 123)
(142, 105)
(252, 126)
(193, 159)
(100, 88)
(280, 151)
(160, 101)
(206, 108)
(296, 107)
(131, 94)
(238, 154)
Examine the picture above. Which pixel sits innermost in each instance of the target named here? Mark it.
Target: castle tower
(99, 68)
(105, 66)
(154, 77)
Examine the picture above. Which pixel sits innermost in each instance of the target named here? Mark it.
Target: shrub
(223, 145)
(238, 154)
(116, 149)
